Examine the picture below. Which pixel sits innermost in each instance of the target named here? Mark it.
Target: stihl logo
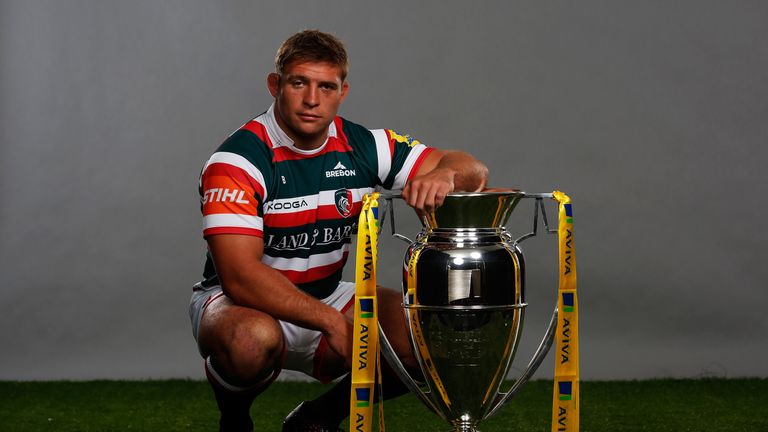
(225, 195)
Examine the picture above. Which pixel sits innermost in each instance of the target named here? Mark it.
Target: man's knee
(245, 344)
(252, 343)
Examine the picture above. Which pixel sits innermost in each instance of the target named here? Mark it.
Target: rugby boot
(235, 412)
(302, 419)
(232, 424)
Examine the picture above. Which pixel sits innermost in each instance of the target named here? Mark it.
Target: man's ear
(273, 84)
(344, 90)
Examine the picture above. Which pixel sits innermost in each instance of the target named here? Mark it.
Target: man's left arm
(442, 172)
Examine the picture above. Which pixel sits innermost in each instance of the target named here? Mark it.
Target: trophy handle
(389, 208)
(538, 207)
(546, 342)
(397, 366)
(541, 352)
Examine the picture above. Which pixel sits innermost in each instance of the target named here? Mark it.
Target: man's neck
(305, 143)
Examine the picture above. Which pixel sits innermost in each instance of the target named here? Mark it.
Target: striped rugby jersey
(304, 204)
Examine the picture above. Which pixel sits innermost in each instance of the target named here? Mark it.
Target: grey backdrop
(652, 115)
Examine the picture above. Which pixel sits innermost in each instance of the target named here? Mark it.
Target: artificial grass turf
(710, 405)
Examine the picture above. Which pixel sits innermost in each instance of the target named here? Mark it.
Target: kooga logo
(287, 205)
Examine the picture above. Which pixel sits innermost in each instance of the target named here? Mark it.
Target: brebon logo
(225, 195)
(340, 171)
(343, 200)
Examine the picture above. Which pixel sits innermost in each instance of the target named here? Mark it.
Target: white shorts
(304, 348)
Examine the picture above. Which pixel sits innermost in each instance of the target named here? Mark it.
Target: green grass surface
(710, 405)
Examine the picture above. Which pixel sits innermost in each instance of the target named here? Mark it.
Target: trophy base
(464, 427)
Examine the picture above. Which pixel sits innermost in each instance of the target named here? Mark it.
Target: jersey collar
(281, 139)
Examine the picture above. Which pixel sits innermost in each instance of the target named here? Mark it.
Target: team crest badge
(343, 199)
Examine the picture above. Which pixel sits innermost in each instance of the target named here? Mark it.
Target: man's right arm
(248, 282)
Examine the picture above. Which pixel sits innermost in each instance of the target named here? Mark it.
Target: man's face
(307, 98)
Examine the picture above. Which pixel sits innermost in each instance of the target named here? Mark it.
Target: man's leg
(243, 349)
(332, 407)
(394, 323)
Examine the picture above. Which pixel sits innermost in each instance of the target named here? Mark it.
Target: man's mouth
(308, 116)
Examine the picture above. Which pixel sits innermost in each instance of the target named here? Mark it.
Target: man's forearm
(264, 288)
(441, 173)
(249, 282)
(469, 173)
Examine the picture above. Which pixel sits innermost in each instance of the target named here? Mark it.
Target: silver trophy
(464, 299)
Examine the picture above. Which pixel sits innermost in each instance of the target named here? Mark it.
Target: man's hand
(441, 173)
(339, 338)
(427, 192)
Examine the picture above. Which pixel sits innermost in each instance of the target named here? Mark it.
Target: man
(280, 199)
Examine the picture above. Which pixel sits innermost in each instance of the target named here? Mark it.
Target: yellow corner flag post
(565, 398)
(365, 342)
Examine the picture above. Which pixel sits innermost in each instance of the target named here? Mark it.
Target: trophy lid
(489, 209)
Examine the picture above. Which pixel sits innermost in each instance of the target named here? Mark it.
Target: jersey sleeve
(399, 157)
(232, 190)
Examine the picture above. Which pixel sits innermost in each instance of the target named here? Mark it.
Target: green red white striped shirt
(304, 204)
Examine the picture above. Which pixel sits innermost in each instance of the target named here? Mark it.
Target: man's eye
(297, 83)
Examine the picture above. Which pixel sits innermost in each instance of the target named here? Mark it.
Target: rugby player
(280, 199)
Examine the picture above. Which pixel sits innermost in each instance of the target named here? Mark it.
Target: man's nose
(312, 96)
